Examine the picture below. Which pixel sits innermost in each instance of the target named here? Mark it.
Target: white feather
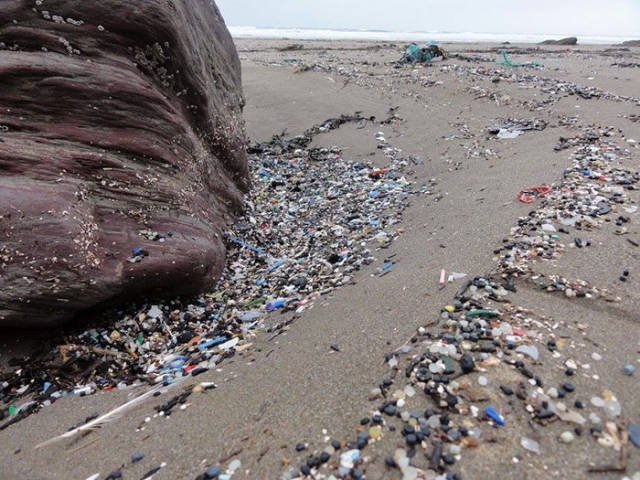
(110, 416)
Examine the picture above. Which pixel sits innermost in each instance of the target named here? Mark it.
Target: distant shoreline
(444, 37)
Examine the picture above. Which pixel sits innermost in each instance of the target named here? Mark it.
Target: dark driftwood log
(116, 117)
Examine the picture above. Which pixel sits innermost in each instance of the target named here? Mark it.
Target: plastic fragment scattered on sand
(276, 263)
(629, 369)
(155, 312)
(349, 458)
(530, 194)
(95, 476)
(493, 414)
(529, 350)
(385, 268)
(507, 134)
(443, 275)
(242, 243)
(455, 276)
(530, 445)
(634, 433)
(229, 344)
(211, 342)
(276, 304)
(507, 62)
(482, 313)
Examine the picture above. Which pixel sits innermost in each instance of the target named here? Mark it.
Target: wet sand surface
(294, 387)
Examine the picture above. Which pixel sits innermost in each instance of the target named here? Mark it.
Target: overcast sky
(588, 17)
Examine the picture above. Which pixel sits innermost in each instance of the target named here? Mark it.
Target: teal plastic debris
(412, 54)
(506, 61)
(416, 54)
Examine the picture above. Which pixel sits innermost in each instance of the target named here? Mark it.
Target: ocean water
(444, 37)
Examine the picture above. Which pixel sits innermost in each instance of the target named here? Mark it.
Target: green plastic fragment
(140, 339)
(482, 313)
(255, 302)
(12, 410)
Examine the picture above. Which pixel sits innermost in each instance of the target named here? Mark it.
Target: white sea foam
(444, 37)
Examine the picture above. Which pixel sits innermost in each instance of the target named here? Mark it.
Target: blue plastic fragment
(176, 363)
(212, 342)
(137, 250)
(246, 245)
(213, 472)
(494, 415)
(276, 264)
(634, 433)
(385, 268)
(261, 281)
(45, 386)
(276, 304)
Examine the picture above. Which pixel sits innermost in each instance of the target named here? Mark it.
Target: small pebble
(390, 410)
(136, 457)
(411, 439)
(212, 472)
(506, 390)
(629, 369)
(567, 437)
(449, 459)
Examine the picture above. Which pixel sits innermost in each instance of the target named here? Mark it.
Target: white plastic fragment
(530, 445)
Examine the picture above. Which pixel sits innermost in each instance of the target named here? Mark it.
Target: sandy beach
(468, 135)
